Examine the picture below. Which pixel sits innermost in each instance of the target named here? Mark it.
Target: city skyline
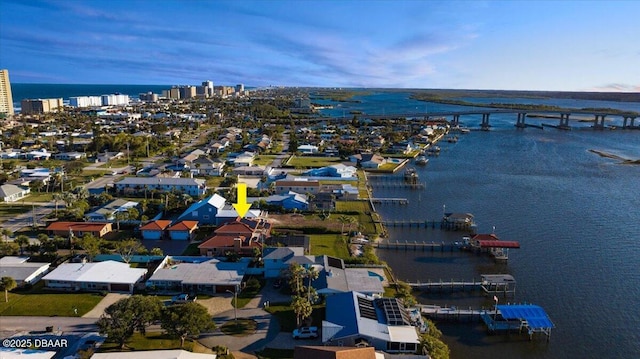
(508, 45)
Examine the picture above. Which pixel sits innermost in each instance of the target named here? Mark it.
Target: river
(575, 214)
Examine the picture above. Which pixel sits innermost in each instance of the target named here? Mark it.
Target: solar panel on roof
(394, 311)
(334, 262)
(365, 306)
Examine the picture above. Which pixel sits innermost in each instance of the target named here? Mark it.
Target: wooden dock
(390, 200)
(415, 246)
(427, 223)
(436, 312)
(503, 284)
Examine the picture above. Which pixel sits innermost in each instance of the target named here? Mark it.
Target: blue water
(576, 215)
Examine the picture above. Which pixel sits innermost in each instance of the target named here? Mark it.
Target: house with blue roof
(338, 170)
(355, 319)
(204, 211)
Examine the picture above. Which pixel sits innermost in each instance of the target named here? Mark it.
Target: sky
(508, 45)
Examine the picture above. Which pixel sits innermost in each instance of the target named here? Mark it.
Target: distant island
(625, 161)
(446, 98)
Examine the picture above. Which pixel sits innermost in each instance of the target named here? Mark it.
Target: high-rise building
(240, 88)
(115, 100)
(85, 101)
(34, 107)
(6, 100)
(187, 92)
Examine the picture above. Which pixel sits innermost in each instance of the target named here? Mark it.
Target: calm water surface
(576, 215)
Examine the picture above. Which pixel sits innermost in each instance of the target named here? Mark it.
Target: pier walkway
(489, 283)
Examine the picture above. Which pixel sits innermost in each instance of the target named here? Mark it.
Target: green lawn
(13, 209)
(39, 197)
(312, 162)
(330, 244)
(365, 222)
(38, 302)
(213, 182)
(243, 327)
(264, 160)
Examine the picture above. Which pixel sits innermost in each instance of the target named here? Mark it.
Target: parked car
(183, 298)
(305, 333)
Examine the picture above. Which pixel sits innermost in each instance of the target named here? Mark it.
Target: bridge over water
(628, 119)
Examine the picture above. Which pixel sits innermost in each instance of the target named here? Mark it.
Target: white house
(21, 271)
(12, 193)
(154, 354)
(110, 276)
(307, 149)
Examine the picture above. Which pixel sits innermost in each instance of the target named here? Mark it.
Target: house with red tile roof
(241, 237)
(79, 229)
(155, 229)
(183, 230)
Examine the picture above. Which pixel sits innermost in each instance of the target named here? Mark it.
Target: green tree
(128, 248)
(156, 251)
(302, 308)
(22, 241)
(91, 245)
(122, 318)
(7, 284)
(6, 233)
(344, 220)
(296, 273)
(433, 343)
(8, 248)
(184, 320)
(311, 274)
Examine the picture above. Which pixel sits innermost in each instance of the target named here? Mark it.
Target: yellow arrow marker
(242, 207)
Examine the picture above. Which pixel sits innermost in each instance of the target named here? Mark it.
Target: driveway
(109, 299)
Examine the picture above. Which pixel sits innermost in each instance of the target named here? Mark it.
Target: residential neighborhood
(138, 199)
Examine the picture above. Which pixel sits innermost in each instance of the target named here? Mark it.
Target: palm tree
(6, 233)
(312, 274)
(344, 220)
(56, 198)
(7, 284)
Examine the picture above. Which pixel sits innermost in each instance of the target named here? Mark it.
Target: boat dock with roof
(521, 317)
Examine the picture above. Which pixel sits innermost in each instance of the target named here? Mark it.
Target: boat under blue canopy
(535, 316)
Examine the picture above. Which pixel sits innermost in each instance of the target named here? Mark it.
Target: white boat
(421, 160)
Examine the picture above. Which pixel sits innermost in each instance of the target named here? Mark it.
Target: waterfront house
(355, 319)
(12, 193)
(22, 271)
(110, 276)
(368, 160)
(183, 230)
(155, 229)
(197, 275)
(338, 170)
(79, 229)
